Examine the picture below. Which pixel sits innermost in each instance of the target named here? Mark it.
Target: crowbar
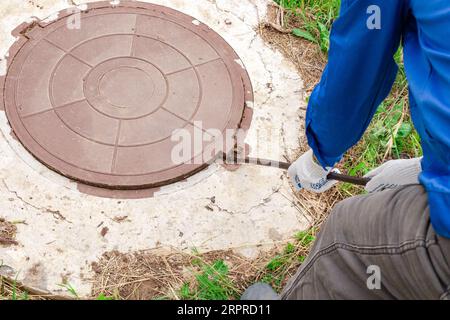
(285, 166)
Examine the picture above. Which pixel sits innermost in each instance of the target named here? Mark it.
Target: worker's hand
(307, 174)
(393, 174)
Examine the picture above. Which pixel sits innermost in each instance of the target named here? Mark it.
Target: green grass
(11, 291)
(212, 283)
(72, 291)
(294, 254)
(316, 17)
(103, 297)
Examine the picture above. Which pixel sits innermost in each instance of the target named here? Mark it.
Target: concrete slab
(64, 230)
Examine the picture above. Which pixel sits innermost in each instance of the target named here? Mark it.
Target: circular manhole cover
(97, 95)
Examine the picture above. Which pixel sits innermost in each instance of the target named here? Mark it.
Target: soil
(160, 273)
(7, 233)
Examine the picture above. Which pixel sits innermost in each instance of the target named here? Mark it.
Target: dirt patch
(7, 233)
(160, 273)
(140, 276)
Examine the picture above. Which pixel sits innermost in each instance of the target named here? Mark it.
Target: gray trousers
(377, 246)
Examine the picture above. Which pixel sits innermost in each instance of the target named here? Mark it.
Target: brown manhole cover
(99, 103)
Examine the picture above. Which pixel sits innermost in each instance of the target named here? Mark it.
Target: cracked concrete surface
(250, 209)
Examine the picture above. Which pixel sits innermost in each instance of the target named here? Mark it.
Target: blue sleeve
(360, 73)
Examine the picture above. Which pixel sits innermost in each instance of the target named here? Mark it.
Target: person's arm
(359, 75)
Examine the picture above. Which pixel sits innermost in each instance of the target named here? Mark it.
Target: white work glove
(393, 174)
(307, 174)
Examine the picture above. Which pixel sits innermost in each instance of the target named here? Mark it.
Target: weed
(306, 238)
(212, 283)
(293, 254)
(315, 17)
(70, 290)
(11, 290)
(103, 297)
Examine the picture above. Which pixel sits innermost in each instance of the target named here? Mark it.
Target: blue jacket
(360, 74)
